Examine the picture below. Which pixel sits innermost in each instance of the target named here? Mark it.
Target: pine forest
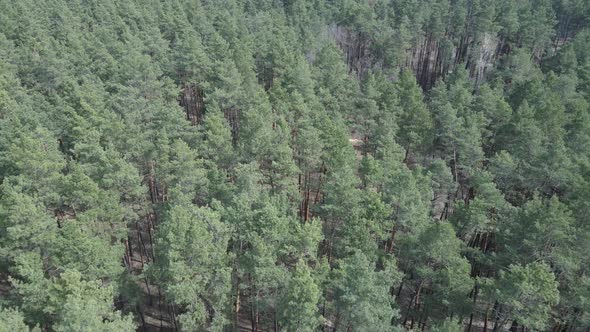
(294, 165)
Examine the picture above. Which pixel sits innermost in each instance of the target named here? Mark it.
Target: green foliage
(448, 325)
(543, 230)
(299, 303)
(296, 165)
(414, 118)
(362, 294)
(192, 263)
(527, 292)
(13, 320)
(87, 306)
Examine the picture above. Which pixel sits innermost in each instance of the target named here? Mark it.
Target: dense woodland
(294, 165)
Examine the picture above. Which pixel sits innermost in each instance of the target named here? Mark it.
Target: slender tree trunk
(151, 236)
(324, 313)
(455, 175)
(414, 300)
(142, 245)
(337, 321)
(497, 312)
(142, 318)
(173, 316)
(128, 252)
(573, 323)
(253, 319)
(392, 240)
(399, 290)
(406, 156)
(257, 318)
(307, 205)
(254, 314)
(237, 307)
(425, 322)
(160, 309)
(485, 322)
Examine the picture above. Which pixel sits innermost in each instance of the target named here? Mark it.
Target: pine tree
(526, 294)
(13, 320)
(298, 306)
(194, 277)
(362, 295)
(414, 121)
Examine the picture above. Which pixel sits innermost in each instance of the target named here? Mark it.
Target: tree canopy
(300, 165)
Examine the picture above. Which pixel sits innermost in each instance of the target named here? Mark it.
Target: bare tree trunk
(254, 315)
(173, 316)
(140, 312)
(497, 312)
(399, 291)
(411, 304)
(160, 309)
(237, 308)
(485, 322)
